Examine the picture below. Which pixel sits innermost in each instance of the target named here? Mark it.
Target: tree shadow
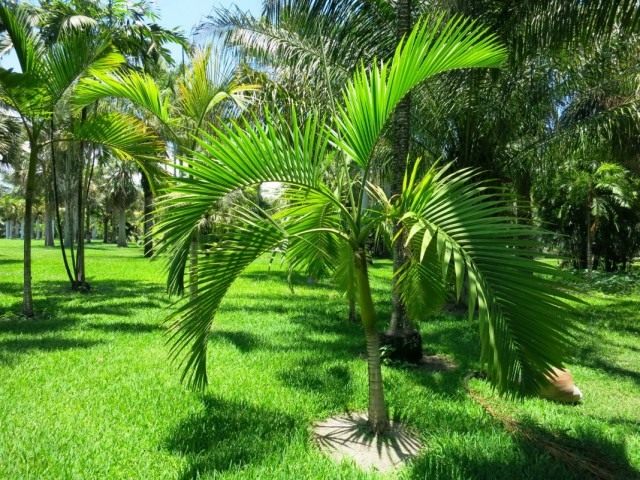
(126, 327)
(10, 350)
(60, 306)
(229, 435)
(9, 261)
(243, 341)
(538, 453)
(20, 325)
(330, 382)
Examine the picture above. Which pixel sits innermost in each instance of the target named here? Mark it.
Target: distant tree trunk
(402, 135)
(122, 227)
(49, 231)
(377, 411)
(88, 233)
(8, 229)
(27, 297)
(402, 337)
(589, 239)
(148, 217)
(81, 283)
(105, 226)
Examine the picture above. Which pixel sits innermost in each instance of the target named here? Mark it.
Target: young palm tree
(453, 226)
(205, 93)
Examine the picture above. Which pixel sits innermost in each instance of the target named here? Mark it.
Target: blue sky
(178, 13)
(188, 13)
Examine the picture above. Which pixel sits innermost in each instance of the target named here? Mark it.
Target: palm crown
(456, 229)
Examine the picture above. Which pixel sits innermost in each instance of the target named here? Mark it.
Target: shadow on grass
(538, 453)
(126, 327)
(243, 341)
(598, 350)
(10, 350)
(330, 382)
(60, 308)
(9, 261)
(229, 435)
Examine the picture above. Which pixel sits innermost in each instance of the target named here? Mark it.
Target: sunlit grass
(86, 390)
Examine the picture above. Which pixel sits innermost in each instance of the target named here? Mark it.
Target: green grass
(86, 390)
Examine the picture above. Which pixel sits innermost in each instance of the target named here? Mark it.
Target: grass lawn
(86, 391)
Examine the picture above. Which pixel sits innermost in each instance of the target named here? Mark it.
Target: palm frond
(139, 88)
(432, 47)
(460, 230)
(243, 242)
(18, 22)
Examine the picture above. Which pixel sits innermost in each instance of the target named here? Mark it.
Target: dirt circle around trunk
(347, 437)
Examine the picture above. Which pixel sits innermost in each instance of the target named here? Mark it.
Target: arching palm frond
(462, 231)
(431, 48)
(28, 46)
(245, 155)
(139, 88)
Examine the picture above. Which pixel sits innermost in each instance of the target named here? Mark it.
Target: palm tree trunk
(589, 239)
(105, 228)
(377, 412)
(148, 216)
(80, 270)
(48, 222)
(122, 227)
(402, 132)
(27, 297)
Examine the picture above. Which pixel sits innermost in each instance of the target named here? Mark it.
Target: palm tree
(121, 193)
(206, 93)
(49, 76)
(452, 225)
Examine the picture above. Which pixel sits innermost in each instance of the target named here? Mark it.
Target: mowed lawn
(87, 390)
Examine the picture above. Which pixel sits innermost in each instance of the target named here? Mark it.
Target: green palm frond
(125, 135)
(139, 88)
(76, 56)
(245, 155)
(431, 48)
(244, 241)
(18, 22)
(460, 230)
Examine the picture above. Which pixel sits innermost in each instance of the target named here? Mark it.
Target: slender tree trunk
(56, 202)
(48, 222)
(27, 298)
(589, 239)
(148, 217)
(80, 270)
(122, 227)
(88, 233)
(378, 416)
(105, 226)
(402, 135)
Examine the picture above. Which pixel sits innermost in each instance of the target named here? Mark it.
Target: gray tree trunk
(402, 136)
(122, 227)
(377, 411)
(27, 293)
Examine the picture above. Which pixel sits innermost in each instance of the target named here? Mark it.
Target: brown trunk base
(82, 287)
(402, 346)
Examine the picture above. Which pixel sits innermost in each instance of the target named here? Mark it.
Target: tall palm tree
(48, 78)
(452, 225)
